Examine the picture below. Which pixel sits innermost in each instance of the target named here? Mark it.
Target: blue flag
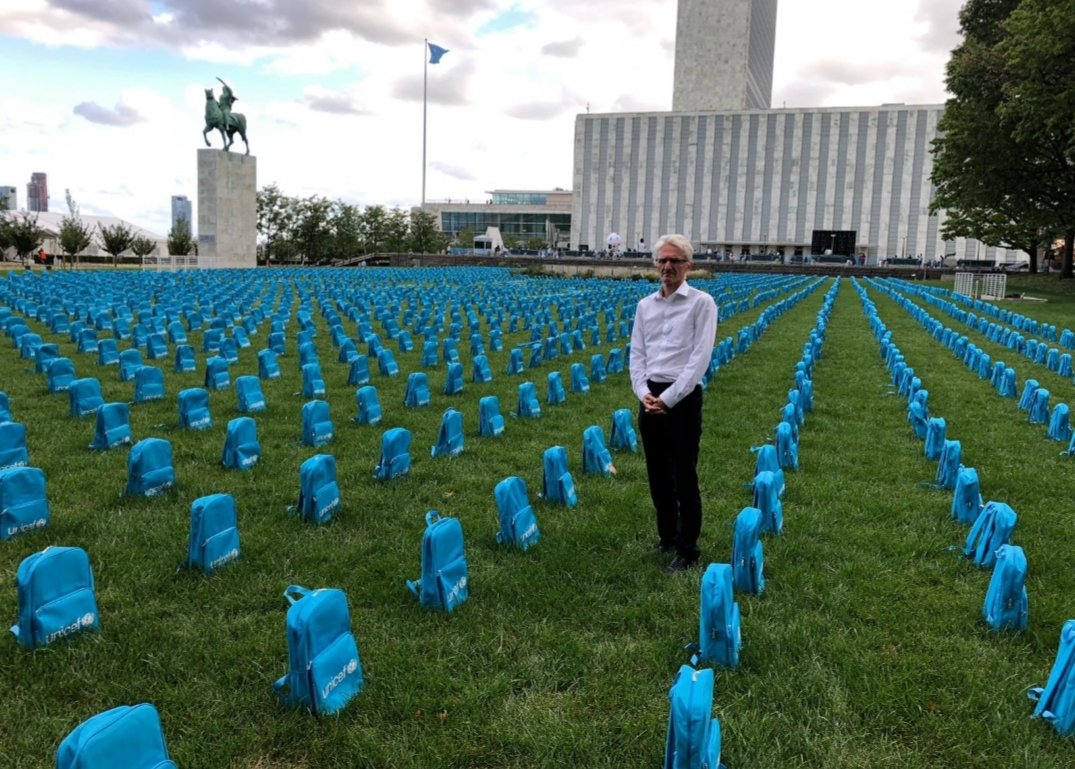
(435, 53)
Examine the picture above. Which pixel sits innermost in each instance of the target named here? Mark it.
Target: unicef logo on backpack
(348, 669)
(87, 619)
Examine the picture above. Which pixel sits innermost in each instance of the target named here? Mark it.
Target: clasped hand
(653, 405)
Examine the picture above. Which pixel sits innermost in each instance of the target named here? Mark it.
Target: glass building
(525, 215)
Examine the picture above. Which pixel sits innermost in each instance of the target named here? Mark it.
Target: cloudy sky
(107, 96)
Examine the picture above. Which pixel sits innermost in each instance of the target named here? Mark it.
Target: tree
(375, 228)
(346, 224)
(143, 247)
(396, 231)
(312, 233)
(511, 241)
(116, 239)
(535, 244)
(425, 238)
(276, 216)
(180, 241)
(74, 238)
(465, 238)
(1000, 169)
(1038, 55)
(24, 235)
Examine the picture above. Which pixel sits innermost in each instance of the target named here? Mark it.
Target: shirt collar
(682, 291)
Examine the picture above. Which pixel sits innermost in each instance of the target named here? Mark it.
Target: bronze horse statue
(219, 116)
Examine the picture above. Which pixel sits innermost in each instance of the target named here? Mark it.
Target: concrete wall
(227, 209)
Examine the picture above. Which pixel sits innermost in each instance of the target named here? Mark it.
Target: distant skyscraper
(724, 55)
(181, 210)
(11, 198)
(37, 192)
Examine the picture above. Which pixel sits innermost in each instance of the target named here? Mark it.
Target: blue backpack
(113, 426)
(429, 353)
(935, 434)
(556, 394)
(967, 498)
(241, 448)
(248, 391)
(395, 454)
(60, 374)
(1006, 600)
(557, 485)
(369, 406)
(597, 368)
(107, 353)
(596, 458)
(443, 584)
(5, 407)
(324, 671)
(719, 633)
(194, 409)
(13, 451)
(767, 500)
(56, 596)
(316, 423)
(748, 555)
(480, 371)
(1056, 700)
(768, 459)
(453, 384)
(992, 529)
(359, 373)
(386, 363)
(319, 494)
(529, 406)
(787, 447)
(214, 533)
(1027, 398)
(1039, 407)
(149, 468)
(518, 524)
(615, 361)
(417, 393)
(148, 384)
(948, 465)
(184, 359)
(268, 366)
(515, 361)
(125, 737)
(85, 396)
(623, 434)
(579, 381)
(450, 438)
(129, 361)
(216, 374)
(307, 353)
(918, 413)
(24, 506)
(693, 740)
(156, 347)
(313, 382)
(490, 420)
(1060, 423)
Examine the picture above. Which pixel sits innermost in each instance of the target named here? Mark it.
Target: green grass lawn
(867, 648)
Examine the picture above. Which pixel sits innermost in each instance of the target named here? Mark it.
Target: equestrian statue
(218, 115)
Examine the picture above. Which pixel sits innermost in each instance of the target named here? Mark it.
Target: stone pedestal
(227, 209)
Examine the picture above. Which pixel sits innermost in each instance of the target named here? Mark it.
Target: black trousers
(671, 444)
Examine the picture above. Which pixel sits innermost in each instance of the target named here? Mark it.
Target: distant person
(671, 344)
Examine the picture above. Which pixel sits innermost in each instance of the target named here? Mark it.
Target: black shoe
(679, 563)
(661, 549)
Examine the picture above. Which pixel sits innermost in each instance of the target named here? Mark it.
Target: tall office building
(37, 192)
(724, 55)
(181, 210)
(735, 176)
(10, 197)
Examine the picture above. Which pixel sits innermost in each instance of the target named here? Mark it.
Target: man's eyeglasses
(673, 262)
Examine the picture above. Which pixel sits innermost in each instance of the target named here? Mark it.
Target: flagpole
(425, 80)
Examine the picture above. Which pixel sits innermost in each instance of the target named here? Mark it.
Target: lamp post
(832, 244)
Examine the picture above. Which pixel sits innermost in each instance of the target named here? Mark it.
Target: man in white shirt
(671, 344)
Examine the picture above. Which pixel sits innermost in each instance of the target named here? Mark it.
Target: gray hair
(676, 241)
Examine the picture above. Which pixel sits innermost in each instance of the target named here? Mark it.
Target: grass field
(866, 650)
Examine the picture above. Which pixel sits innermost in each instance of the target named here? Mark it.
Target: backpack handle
(295, 593)
(432, 517)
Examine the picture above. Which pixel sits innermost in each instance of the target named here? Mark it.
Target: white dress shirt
(672, 341)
